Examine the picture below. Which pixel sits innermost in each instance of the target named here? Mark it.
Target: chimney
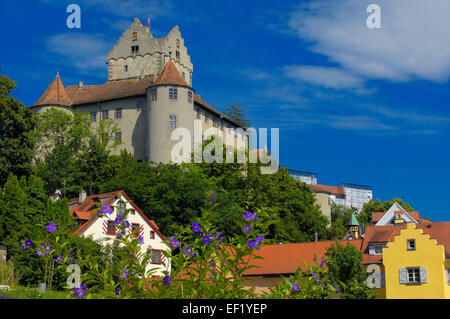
(80, 85)
(316, 237)
(82, 196)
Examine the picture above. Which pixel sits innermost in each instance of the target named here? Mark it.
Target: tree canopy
(236, 113)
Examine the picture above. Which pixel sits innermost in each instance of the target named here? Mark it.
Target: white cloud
(412, 43)
(84, 51)
(327, 77)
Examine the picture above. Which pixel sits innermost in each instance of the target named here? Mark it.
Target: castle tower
(138, 54)
(170, 102)
(54, 96)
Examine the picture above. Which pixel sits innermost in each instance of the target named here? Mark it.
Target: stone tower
(170, 101)
(138, 54)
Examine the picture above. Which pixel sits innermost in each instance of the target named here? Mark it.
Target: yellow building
(413, 259)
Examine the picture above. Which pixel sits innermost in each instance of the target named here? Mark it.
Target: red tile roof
(333, 190)
(170, 75)
(55, 94)
(286, 258)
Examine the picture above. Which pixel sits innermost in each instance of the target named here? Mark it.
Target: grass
(8, 276)
(22, 292)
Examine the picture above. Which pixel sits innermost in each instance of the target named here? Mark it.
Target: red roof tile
(286, 258)
(55, 94)
(170, 75)
(333, 190)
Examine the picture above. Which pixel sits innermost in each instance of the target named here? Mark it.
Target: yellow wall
(428, 254)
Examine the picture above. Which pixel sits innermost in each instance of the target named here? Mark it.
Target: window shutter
(423, 275)
(403, 275)
(371, 250)
(382, 279)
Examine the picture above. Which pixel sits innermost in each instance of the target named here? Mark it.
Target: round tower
(170, 106)
(54, 96)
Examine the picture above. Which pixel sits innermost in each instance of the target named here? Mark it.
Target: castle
(149, 93)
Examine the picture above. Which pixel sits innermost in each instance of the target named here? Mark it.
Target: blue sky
(358, 105)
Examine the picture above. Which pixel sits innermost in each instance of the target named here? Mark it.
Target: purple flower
(51, 227)
(206, 239)
(213, 197)
(117, 291)
(251, 244)
(166, 280)
(45, 250)
(106, 210)
(215, 235)
(79, 291)
(247, 215)
(141, 240)
(26, 244)
(219, 239)
(255, 217)
(247, 229)
(195, 227)
(322, 263)
(314, 274)
(123, 274)
(188, 251)
(295, 286)
(174, 242)
(69, 258)
(200, 234)
(126, 224)
(120, 234)
(59, 259)
(259, 238)
(118, 221)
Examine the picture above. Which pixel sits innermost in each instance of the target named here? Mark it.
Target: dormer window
(135, 49)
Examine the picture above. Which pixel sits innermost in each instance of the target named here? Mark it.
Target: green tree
(236, 113)
(365, 217)
(345, 268)
(339, 217)
(17, 124)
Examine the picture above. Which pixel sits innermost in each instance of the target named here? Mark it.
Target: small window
(93, 117)
(133, 229)
(206, 117)
(178, 43)
(140, 105)
(413, 275)
(177, 54)
(135, 49)
(105, 114)
(133, 211)
(111, 230)
(221, 125)
(173, 121)
(156, 257)
(411, 244)
(190, 98)
(173, 93)
(198, 112)
(118, 113)
(125, 68)
(152, 234)
(134, 36)
(153, 95)
(378, 250)
(118, 136)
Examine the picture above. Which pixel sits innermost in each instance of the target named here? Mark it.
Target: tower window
(173, 93)
(93, 117)
(118, 136)
(206, 117)
(177, 54)
(198, 112)
(153, 95)
(134, 49)
(173, 121)
(118, 113)
(125, 68)
(134, 36)
(190, 98)
(105, 114)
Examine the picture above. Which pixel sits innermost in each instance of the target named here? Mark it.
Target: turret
(54, 96)
(170, 105)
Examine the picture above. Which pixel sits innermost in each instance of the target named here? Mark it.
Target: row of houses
(411, 253)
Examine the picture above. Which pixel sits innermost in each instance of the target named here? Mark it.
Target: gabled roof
(396, 208)
(55, 94)
(286, 258)
(87, 210)
(170, 75)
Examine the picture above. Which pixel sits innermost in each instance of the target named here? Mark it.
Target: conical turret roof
(55, 94)
(170, 75)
